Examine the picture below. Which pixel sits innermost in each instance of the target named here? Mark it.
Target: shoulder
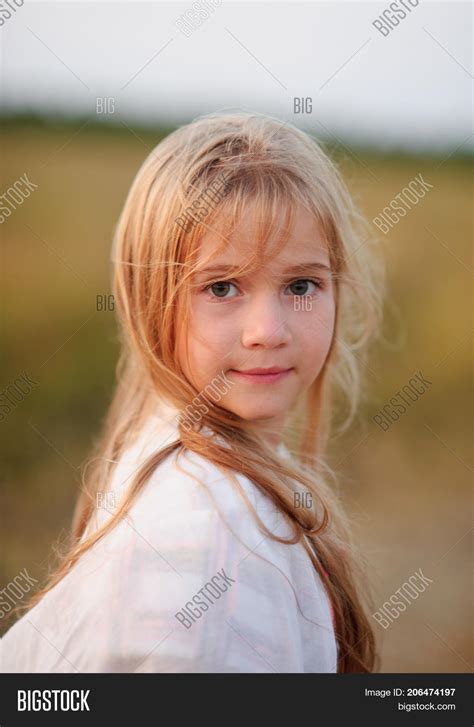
(186, 486)
(183, 484)
(190, 522)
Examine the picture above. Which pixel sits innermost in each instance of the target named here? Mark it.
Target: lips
(260, 376)
(271, 370)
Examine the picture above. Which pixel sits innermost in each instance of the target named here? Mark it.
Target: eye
(300, 287)
(219, 289)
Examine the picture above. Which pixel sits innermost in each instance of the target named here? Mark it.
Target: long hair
(275, 166)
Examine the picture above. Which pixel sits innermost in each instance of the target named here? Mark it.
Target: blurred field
(409, 488)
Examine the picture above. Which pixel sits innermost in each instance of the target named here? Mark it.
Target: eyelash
(319, 284)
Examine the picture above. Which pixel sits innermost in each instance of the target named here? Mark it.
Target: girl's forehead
(249, 236)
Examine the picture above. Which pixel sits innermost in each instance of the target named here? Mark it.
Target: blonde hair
(276, 166)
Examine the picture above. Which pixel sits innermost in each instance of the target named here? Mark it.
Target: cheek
(212, 324)
(315, 333)
(211, 338)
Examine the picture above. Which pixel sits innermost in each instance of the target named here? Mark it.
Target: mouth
(261, 376)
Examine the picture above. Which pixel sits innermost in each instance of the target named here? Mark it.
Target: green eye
(219, 288)
(300, 287)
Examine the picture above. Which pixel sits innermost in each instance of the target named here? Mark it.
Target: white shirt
(187, 582)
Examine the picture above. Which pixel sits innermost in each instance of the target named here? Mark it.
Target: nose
(265, 322)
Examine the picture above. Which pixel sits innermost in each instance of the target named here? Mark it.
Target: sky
(405, 86)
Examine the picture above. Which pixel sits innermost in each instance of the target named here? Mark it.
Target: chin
(255, 414)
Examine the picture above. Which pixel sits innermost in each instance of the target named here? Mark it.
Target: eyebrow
(292, 270)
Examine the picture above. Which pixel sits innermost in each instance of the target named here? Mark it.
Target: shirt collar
(164, 428)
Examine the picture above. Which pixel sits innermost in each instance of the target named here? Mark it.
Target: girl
(246, 296)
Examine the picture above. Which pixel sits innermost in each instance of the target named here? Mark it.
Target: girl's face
(280, 316)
